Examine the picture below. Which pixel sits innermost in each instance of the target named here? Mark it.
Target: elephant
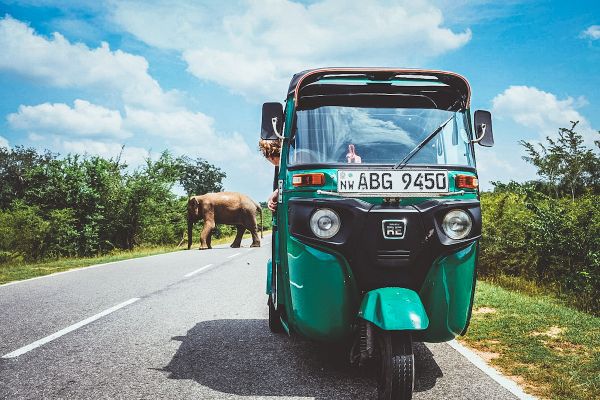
(230, 208)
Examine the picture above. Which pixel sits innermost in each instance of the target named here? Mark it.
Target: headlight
(325, 223)
(457, 224)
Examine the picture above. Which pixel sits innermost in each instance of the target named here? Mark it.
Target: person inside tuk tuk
(351, 156)
(271, 150)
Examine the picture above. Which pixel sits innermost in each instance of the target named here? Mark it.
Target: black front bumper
(377, 261)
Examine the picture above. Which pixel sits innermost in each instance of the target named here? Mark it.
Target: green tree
(14, 165)
(148, 197)
(565, 163)
(199, 177)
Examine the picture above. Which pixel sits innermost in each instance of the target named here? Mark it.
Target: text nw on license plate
(393, 182)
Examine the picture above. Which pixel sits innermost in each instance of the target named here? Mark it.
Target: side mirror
(272, 121)
(483, 128)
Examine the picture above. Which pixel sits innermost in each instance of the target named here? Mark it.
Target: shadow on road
(244, 358)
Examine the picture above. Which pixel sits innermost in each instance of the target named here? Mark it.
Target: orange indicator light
(466, 182)
(317, 179)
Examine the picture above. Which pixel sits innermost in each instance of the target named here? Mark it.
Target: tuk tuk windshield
(338, 134)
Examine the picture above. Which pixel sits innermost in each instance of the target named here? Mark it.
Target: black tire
(275, 324)
(396, 366)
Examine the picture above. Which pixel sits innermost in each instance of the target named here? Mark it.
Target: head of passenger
(271, 150)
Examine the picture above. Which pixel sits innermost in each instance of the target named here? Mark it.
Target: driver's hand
(272, 202)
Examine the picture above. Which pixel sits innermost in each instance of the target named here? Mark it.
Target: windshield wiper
(418, 147)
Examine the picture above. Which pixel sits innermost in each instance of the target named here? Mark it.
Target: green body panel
(323, 294)
(447, 294)
(324, 299)
(394, 309)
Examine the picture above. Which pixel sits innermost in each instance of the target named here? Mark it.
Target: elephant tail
(260, 210)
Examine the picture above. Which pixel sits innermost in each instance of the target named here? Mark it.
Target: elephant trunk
(189, 232)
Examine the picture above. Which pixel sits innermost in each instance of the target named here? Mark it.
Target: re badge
(393, 228)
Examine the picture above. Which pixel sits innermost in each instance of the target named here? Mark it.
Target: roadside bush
(222, 231)
(505, 234)
(162, 222)
(7, 257)
(62, 236)
(53, 206)
(22, 231)
(555, 242)
(267, 218)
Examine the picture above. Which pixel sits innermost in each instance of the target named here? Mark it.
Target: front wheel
(396, 366)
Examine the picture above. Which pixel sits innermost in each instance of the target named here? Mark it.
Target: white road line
(197, 271)
(71, 328)
(233, 255)
(491, 372)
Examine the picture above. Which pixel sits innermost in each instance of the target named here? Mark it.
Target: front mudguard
(394, 309)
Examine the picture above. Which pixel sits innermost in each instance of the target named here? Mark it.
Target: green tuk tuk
(377, 228)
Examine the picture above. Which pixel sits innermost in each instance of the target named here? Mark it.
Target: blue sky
(190, 76)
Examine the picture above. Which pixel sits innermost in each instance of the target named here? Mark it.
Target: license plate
(412, 181)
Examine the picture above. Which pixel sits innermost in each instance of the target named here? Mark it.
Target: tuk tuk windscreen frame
(379, 135)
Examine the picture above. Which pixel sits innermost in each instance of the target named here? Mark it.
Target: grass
(17, 271)
(22, 270)
(531, 287)
(552, 350)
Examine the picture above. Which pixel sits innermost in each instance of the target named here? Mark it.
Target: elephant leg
(206, 234)
(237, 242)
(252, 227)
(255, 238)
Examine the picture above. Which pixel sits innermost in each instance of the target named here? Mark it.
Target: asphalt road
(184, 330)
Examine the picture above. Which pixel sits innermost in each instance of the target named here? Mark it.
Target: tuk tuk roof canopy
(393, 87)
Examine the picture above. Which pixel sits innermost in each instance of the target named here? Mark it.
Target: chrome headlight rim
(454, 213)
(319, 221)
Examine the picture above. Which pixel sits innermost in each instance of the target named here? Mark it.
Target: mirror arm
(274, 123)
(483, 127)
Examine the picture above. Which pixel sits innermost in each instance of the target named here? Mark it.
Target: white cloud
(132, 156)
(60, 63)
(593, 33)
(184, 125)
(83, 119)
(181, 131)
(253, 47)
(193, 133)
(488, 163)
(541, 112)
(144, 108)
(494, 164)
(4, 142)
(34, 137)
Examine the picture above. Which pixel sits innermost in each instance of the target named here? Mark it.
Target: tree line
(53, 206)
(548, 229)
